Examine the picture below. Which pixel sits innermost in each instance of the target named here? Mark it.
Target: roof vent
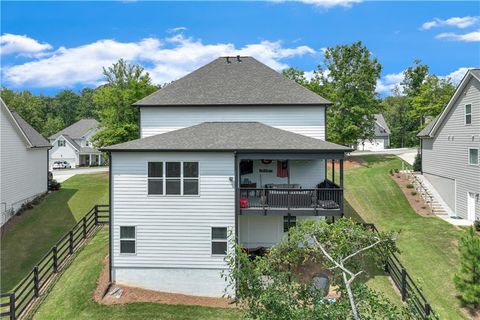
(238, 59)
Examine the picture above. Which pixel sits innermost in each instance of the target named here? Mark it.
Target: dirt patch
(471, 313)
(414, 198)
(348, 163)
(133, 294)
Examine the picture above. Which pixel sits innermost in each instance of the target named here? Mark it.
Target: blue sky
(49, 46)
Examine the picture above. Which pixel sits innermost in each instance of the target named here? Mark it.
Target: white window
(173, 178)
(219, 240)
(473, 156)
(127, 240)
(61, 143)
(468, 114)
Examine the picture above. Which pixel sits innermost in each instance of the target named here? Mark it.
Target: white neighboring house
(24, 163)
(381, 140)
(234, 151)
(450, 148)
(73, 144)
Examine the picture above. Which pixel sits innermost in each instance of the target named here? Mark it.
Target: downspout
(236, 184)
(110, 220)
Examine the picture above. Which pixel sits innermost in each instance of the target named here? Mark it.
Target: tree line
(347, 77)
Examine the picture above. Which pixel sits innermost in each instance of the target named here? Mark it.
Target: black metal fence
(16, 303)
(409, 291)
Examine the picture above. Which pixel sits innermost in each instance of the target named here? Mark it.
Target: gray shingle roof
(233, 82)
(380, 120)
(78, 129)
(35, 139)
(72, 142)
(425, 132)
(228, 136)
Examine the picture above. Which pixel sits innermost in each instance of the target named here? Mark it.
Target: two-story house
(450, 147)
(381, 138)
(73, 144)
(234, 151)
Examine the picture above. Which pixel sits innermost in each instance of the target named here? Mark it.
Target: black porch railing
(409, 291)
(17, 302)
(290, 199)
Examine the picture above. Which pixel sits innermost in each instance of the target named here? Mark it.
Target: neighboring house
(450, 150)
(234, 150)
(24, 163)
(381, 140)
(73, 144)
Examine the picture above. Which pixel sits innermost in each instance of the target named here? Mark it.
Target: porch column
(333, 171)
(288, 173)
(341, 173)
(99, 160)
(90, 159)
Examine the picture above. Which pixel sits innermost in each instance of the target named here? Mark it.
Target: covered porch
(90, 159)
(295, 185)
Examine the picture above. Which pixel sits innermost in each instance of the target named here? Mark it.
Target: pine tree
(467, 280)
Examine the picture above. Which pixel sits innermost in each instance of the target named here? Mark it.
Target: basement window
(127, 240)
(473, 156)
(468, 114)
(289, 223)
(219, 240)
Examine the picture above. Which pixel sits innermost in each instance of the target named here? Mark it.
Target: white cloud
(459, 22)
(467, 37)
(388, 82)
(21, 44)
(325, 3)
(177, 29)
(165, 60)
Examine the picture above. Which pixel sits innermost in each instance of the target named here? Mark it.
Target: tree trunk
(350, 297)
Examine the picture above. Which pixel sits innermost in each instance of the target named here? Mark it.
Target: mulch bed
(133, 294)
(416, 201)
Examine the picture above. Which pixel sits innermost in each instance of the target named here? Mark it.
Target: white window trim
(466, 114)
(478, 157)
(218, 240)
(182, 179)
(129, 239)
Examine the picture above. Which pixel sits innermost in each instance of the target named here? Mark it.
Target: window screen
(127, 239)
(219, 240)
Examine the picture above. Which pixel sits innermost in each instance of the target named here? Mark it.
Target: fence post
(55, 259)
(12, 306)
(404, 284)
(35, 280)
(96, 214)
(428, 309)
(70, 242)
(84, 224)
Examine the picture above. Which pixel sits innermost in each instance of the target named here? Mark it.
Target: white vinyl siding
(23, 170)
(172, 231)
(447, 156)
(305, 120)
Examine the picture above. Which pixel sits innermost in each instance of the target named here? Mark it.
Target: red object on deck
(243, 203)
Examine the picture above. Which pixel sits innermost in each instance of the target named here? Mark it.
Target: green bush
(467, 280)
(409, 186)
(476, 225)
(54, 185)
(413, 193)
(397, 171)
(391, 172)
(417, 164)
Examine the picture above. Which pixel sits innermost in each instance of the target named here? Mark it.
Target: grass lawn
(429, 245)
(72, 296)
(38, 229)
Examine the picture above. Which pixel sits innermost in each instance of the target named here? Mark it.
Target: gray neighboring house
(73, 144)
(450, 147)
(23, 163)
(381, 139)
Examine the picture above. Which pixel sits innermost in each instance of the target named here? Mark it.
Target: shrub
(413, 193)
(409, 186)
(54, 185)
(391, 172)
(467, 280)
(417, 164)
(397, 171)
(476, 225)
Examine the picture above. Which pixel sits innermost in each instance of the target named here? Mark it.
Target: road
(406, 154)
(63, 174)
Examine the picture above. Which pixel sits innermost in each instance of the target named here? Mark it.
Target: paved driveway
(63, 174)
(406, 154)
